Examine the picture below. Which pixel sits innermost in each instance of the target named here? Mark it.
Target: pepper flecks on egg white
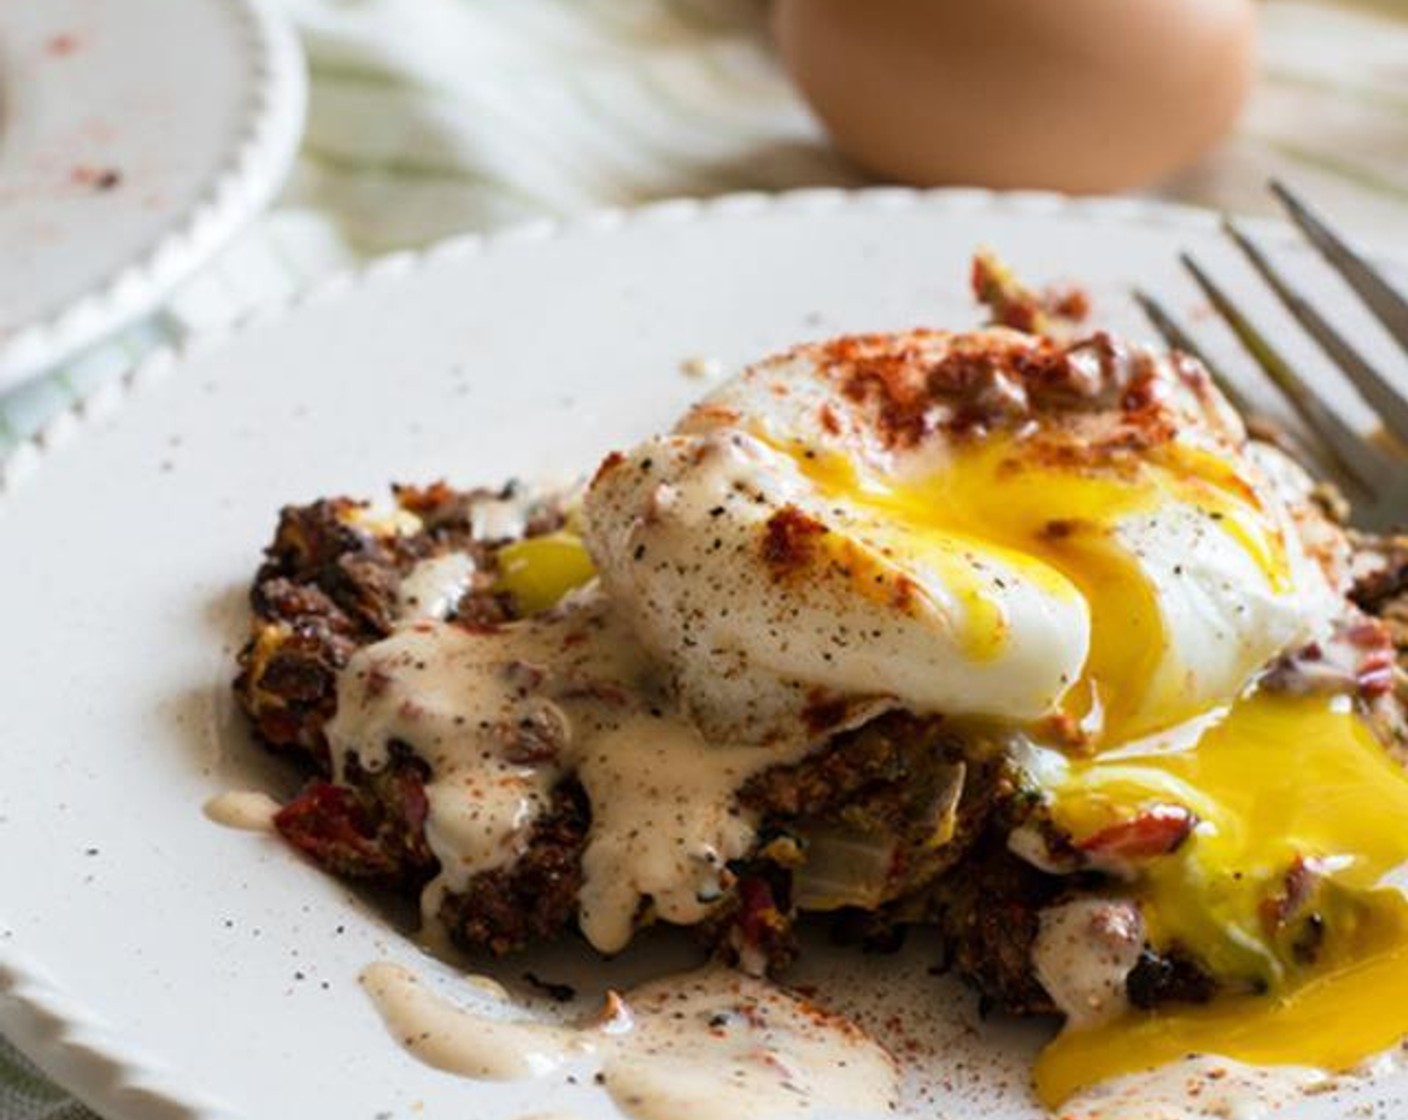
(974, 526)
(1018, 640)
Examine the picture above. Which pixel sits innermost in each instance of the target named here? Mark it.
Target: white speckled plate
(164, 967)
(136, 136)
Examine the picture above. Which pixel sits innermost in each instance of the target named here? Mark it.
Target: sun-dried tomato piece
(1156, 831)
(377, 835)
(329, 824)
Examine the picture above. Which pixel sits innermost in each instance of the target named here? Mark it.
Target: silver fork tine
(1179, 339)
(1388, 306)
(1351, 454)
(1390, 407)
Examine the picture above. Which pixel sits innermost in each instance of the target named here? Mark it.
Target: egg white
(883, 613)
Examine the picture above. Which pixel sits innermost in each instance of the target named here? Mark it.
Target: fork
(1370, 467)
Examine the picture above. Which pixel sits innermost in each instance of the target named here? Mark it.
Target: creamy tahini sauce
(718, 1045)
(502, 715)
(710, 1045)
(1194, 1089)
(245, 809)
(456, 1040)
(1083, 954)
(664, 823)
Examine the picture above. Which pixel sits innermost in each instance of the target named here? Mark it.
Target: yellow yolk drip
(1055, 523)
(965, 566)
(1280, 891)
(1281, 781)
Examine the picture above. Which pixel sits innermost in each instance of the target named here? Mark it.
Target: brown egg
(1075, 95)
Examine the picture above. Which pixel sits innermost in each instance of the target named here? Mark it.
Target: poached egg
(985, 526)
(1076, 548)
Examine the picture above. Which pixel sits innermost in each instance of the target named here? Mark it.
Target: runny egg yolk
(1282, 888)
(1054, 521)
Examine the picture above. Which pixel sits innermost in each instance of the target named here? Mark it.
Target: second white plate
(136, 136)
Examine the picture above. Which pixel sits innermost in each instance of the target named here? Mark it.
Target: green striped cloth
(432, 117)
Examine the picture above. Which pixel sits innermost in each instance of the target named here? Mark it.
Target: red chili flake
(789, 542)
(424, 500)
(892, 379)
(1011, 304)
(905, 595)
(1146, 391)
(609, 464)
(99, 178)
(1071, 303)
(62, 45)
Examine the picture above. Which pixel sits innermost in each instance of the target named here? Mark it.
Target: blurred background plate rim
(255, 166)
